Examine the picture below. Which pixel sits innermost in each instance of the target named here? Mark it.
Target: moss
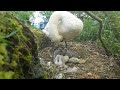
(17, 47)
(6, 75)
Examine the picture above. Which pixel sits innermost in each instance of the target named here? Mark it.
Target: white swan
(63, 26)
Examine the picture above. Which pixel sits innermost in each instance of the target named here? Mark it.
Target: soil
(97, 65)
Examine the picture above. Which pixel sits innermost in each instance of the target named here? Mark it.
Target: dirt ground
(96, 65)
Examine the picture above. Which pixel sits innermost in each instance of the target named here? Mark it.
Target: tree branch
(100, 30)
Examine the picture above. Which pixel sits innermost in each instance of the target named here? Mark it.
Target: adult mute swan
(63, 26)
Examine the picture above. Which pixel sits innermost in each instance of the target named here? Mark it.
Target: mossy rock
(42, 40)
(39, 69)
(18, 48)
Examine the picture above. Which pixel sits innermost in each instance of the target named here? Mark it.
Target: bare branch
(100, 30)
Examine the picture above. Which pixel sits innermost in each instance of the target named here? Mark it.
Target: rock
(82, 61)
(59, 76)
(49, 64)
(42, 61)
(74, 60)
(68, 78)
(89, 74)
(65, 66)
(51, 56)
(71, 70)
(66, 58)
(96, 53)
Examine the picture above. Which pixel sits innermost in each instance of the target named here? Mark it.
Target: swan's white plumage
(63, 25)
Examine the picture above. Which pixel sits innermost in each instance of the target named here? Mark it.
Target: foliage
(89, 32)
(110, 33)
(23, 15)
(47, 14)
